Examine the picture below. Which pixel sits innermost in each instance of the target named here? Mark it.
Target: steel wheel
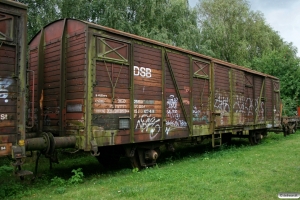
(135, 161)
(254, 138)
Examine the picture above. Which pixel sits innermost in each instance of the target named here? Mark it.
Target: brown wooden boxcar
(113, 90)
(13, 45)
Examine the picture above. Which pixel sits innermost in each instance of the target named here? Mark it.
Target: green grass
(239, 171)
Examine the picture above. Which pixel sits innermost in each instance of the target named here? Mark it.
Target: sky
(282, 15)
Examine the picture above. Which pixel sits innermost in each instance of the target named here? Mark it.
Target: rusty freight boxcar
(16, 134)
(13, 45)
(120, 93)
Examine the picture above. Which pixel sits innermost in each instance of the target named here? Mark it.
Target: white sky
(282, 15)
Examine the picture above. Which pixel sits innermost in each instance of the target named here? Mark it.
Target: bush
(5, 169)
(77, 177)
(57, 181)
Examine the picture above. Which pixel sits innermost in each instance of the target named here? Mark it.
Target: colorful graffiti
(245, 106)
(173, 121)
(199, 116)
(149, 124)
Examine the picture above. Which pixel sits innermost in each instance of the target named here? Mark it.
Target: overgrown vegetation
(12, 187)
(239, 171)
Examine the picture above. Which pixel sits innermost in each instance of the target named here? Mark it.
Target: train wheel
(135, 161)
(289, 131)
(251, 138)
(259, 137)
(285, 132)
(255, 138)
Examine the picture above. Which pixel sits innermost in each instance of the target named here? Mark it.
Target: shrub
(77, 177)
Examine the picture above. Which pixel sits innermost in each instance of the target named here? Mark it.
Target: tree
(168, 21)
(236, 33)
(284, 64)
(40, 13)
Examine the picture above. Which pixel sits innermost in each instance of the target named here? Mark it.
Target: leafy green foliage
(237, 34)
(77, 177)
(57, 181)
(5, 169)
(135, 170)
(40, 13)
(5, 188)
(168, 21)
(9, 188)
(60, 190)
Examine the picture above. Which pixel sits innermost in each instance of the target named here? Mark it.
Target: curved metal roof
(147, 40)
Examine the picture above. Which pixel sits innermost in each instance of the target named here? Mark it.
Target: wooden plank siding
(157, 91)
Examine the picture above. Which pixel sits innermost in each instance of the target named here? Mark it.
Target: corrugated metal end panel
(13, 20)
(58, 57)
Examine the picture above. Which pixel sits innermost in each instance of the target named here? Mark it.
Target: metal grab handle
(32, 103)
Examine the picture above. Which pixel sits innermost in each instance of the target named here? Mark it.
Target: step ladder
(18, 169)
(216, 139)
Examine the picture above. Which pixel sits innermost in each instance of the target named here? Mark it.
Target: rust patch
(41, 100)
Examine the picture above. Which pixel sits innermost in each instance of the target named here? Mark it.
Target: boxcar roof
(14, 3)
(147, 40)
